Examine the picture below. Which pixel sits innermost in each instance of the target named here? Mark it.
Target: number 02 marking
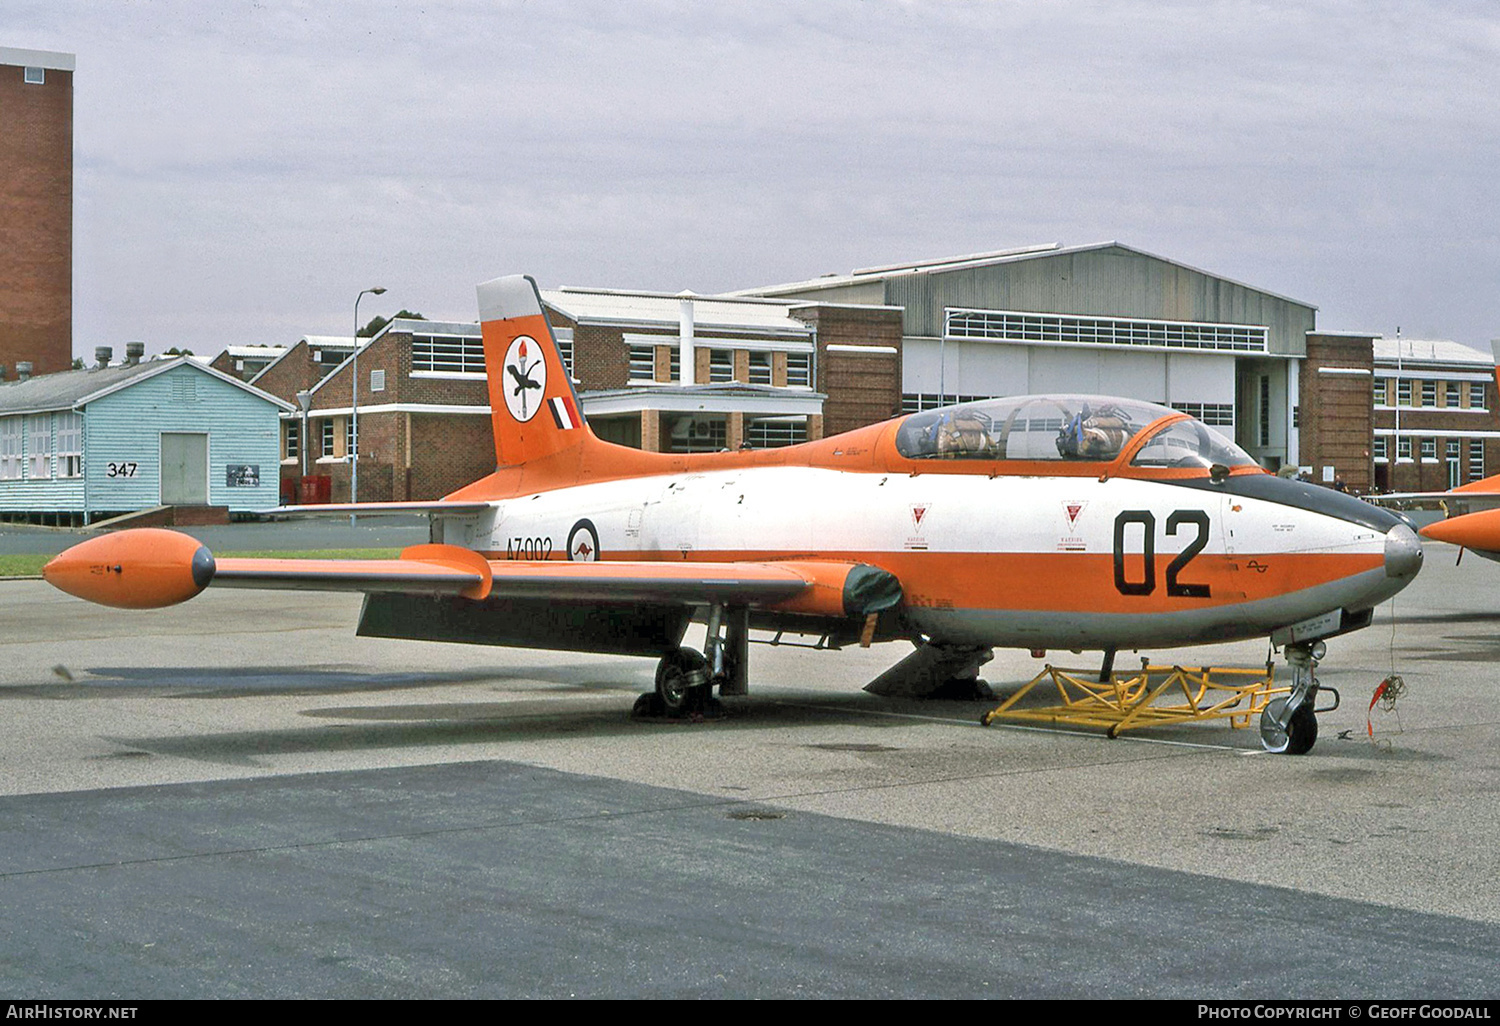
(1176, 587)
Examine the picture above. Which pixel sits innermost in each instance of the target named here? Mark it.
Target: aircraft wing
(1476, 495)
(1474, 500)
(149, 567)
(365, 509)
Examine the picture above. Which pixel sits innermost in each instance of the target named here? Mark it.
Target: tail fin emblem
(527, 376)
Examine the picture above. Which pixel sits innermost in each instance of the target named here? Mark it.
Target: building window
(1403, 393)
(760, 368)
(564, 337)
(377, 381)
(293, 439)
(1378, 450)
(642, 363)
(10, 449)
(1217, 414)
(1033, 327)
(1403, 449)
(351, 439)
(1380, 395)
(1476, 459)
(327, 438)
(720, 365)
(799, 370)
(674, 364)
(1429, 448)
(36, 76)
(1451, 393)
(70, 444)
(1429, 393)
(447, 354)
(773, 434)
(916, 402)
(39, 447)
(1265, 409)
(1476, 395)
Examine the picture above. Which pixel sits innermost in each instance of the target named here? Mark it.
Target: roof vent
(23, 370)
(102, 356)
(133, 353)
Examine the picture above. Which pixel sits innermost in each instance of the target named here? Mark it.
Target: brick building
(245, 362)
(36, 211)
(1436, 424)
(761, 372)
(1334, 409)
(422, 432)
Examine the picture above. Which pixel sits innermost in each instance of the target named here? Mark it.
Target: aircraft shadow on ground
(254, 681)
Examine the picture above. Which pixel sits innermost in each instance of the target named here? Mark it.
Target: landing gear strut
(685, 677)
(1290, 724)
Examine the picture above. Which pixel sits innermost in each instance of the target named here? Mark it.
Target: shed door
(184, 469)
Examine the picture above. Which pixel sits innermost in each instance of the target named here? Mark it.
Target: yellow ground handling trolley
(1152, 696)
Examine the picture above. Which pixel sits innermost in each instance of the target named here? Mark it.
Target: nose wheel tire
(1299, 734)
(682, 681)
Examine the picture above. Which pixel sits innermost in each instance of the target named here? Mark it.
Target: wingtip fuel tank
(143, 568)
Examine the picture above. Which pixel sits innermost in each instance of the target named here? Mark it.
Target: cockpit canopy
(1078, 428)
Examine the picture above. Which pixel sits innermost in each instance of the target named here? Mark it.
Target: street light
(304, 400)
(354, 401)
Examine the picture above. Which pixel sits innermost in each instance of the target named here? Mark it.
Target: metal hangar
(1104, 318)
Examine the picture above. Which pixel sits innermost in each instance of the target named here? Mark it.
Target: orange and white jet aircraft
(1073, 522)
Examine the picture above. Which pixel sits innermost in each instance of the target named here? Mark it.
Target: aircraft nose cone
(1403, 552)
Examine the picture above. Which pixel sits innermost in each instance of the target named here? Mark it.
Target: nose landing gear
(1289, 724)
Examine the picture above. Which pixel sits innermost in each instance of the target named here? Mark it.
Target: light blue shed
(85, 444)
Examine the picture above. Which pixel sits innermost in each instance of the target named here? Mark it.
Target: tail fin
(533, 406)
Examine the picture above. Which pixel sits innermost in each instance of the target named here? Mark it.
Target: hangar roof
(974, 260)
(663, 309)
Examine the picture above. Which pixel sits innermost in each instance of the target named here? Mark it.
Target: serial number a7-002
(528, 548)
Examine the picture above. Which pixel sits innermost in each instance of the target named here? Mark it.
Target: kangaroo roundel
(525, 378)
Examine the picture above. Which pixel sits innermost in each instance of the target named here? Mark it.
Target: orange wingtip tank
(1478, 531)
(144, 568)
(1472, 530)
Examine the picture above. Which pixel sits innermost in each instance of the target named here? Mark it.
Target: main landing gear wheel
(682, 681)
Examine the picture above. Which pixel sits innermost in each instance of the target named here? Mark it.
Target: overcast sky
(243, 169)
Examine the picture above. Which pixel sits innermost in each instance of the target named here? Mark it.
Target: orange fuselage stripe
(1081, 582)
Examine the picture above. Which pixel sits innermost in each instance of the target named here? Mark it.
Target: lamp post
(304, 400)
(354, 402)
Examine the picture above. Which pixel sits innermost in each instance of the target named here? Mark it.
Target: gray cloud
(243, 169)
